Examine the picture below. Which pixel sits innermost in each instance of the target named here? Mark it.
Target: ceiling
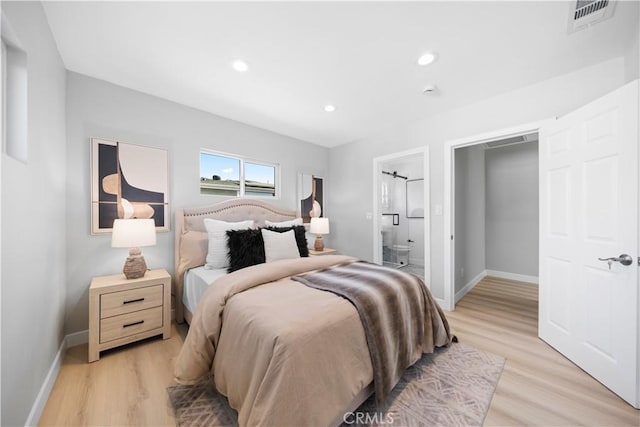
(359, 56)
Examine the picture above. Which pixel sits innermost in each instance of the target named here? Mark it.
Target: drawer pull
(133, 300)
(139, 322)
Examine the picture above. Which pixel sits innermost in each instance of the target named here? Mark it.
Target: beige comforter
(284, 354)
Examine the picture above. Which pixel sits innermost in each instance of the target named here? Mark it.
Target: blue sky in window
(259, 173)
(224, 167)
(229, 168)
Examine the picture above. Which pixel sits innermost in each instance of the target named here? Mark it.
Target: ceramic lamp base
(319, 243)
(135, 267)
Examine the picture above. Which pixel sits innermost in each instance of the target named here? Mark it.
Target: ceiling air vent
(589, 12)
(511, 141)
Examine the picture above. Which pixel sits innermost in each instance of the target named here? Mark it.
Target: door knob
(623, 259)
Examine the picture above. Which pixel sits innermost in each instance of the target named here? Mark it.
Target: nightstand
(122, 311)
(326, 251)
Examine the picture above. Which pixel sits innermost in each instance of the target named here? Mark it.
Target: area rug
(452, 387)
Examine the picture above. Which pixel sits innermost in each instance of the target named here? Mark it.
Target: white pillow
(279, 245)
(291, 223)
(218, 251)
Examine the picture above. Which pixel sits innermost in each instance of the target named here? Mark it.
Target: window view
(259, 180)
(219, 175)
(232, 176)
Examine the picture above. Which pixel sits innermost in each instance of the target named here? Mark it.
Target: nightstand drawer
(117, 303)
(122, 311)
(129, 324)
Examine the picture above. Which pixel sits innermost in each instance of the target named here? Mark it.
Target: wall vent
(511, 141)
(589, 12)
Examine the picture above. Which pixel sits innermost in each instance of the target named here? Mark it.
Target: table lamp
(319, 226)
(133, 233)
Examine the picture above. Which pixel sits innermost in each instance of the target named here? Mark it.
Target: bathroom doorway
(401, 214)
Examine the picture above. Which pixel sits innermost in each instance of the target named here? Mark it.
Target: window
(228, 175)
(259, 180)
(219, 175)
(14, 101)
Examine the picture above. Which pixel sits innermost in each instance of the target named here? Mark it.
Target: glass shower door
(389, 237)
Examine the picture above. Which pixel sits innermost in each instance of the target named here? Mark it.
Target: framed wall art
(128, 181)
(310, 196)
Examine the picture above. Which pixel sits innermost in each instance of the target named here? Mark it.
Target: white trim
(449, 185)
(377, 244)
(39, 403)
(76, 338)
(47, 386)
(440, 302)
(470, 285)
(513, 276)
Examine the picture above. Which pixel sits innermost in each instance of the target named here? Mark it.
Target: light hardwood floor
(127, 386)
(538, 385)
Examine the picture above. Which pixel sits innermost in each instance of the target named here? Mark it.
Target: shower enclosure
(401, 200)
(400, 222)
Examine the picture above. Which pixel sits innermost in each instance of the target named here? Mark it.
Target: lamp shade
(319, 226)
(131, 233)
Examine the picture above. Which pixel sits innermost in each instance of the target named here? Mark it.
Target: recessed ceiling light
(430, 88)
(329, 108)
(427, 58)
(240, 66)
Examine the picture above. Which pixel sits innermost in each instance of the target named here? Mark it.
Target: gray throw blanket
(400, 318)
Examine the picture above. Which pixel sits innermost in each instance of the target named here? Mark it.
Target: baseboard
(76, 338)
(70, 340)
(441, 303)
(47, 386)
(513, 276)
(470, 285)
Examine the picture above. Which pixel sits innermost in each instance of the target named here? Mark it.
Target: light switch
(438, 210)
(368, 215)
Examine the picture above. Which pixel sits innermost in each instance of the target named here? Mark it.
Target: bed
(190, 243)
(283, 351)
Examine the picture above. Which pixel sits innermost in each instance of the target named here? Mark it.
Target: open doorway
(401, 213)
(496, 212)
(485, 221)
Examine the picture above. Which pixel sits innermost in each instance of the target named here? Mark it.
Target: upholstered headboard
(191, 235)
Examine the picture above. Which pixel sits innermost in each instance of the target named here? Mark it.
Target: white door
(589, 210)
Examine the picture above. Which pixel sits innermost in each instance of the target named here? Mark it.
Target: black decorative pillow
(301, 237)
(246, 248)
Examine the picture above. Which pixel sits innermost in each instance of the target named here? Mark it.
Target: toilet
(402, 254)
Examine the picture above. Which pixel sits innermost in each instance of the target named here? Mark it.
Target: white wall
(632, 58)
(351, 195)
(512, 209)
(34, 221)
(469, 229)
(99, 109)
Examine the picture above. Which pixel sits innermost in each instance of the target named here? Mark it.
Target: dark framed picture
(311, 196)
(128, 181)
